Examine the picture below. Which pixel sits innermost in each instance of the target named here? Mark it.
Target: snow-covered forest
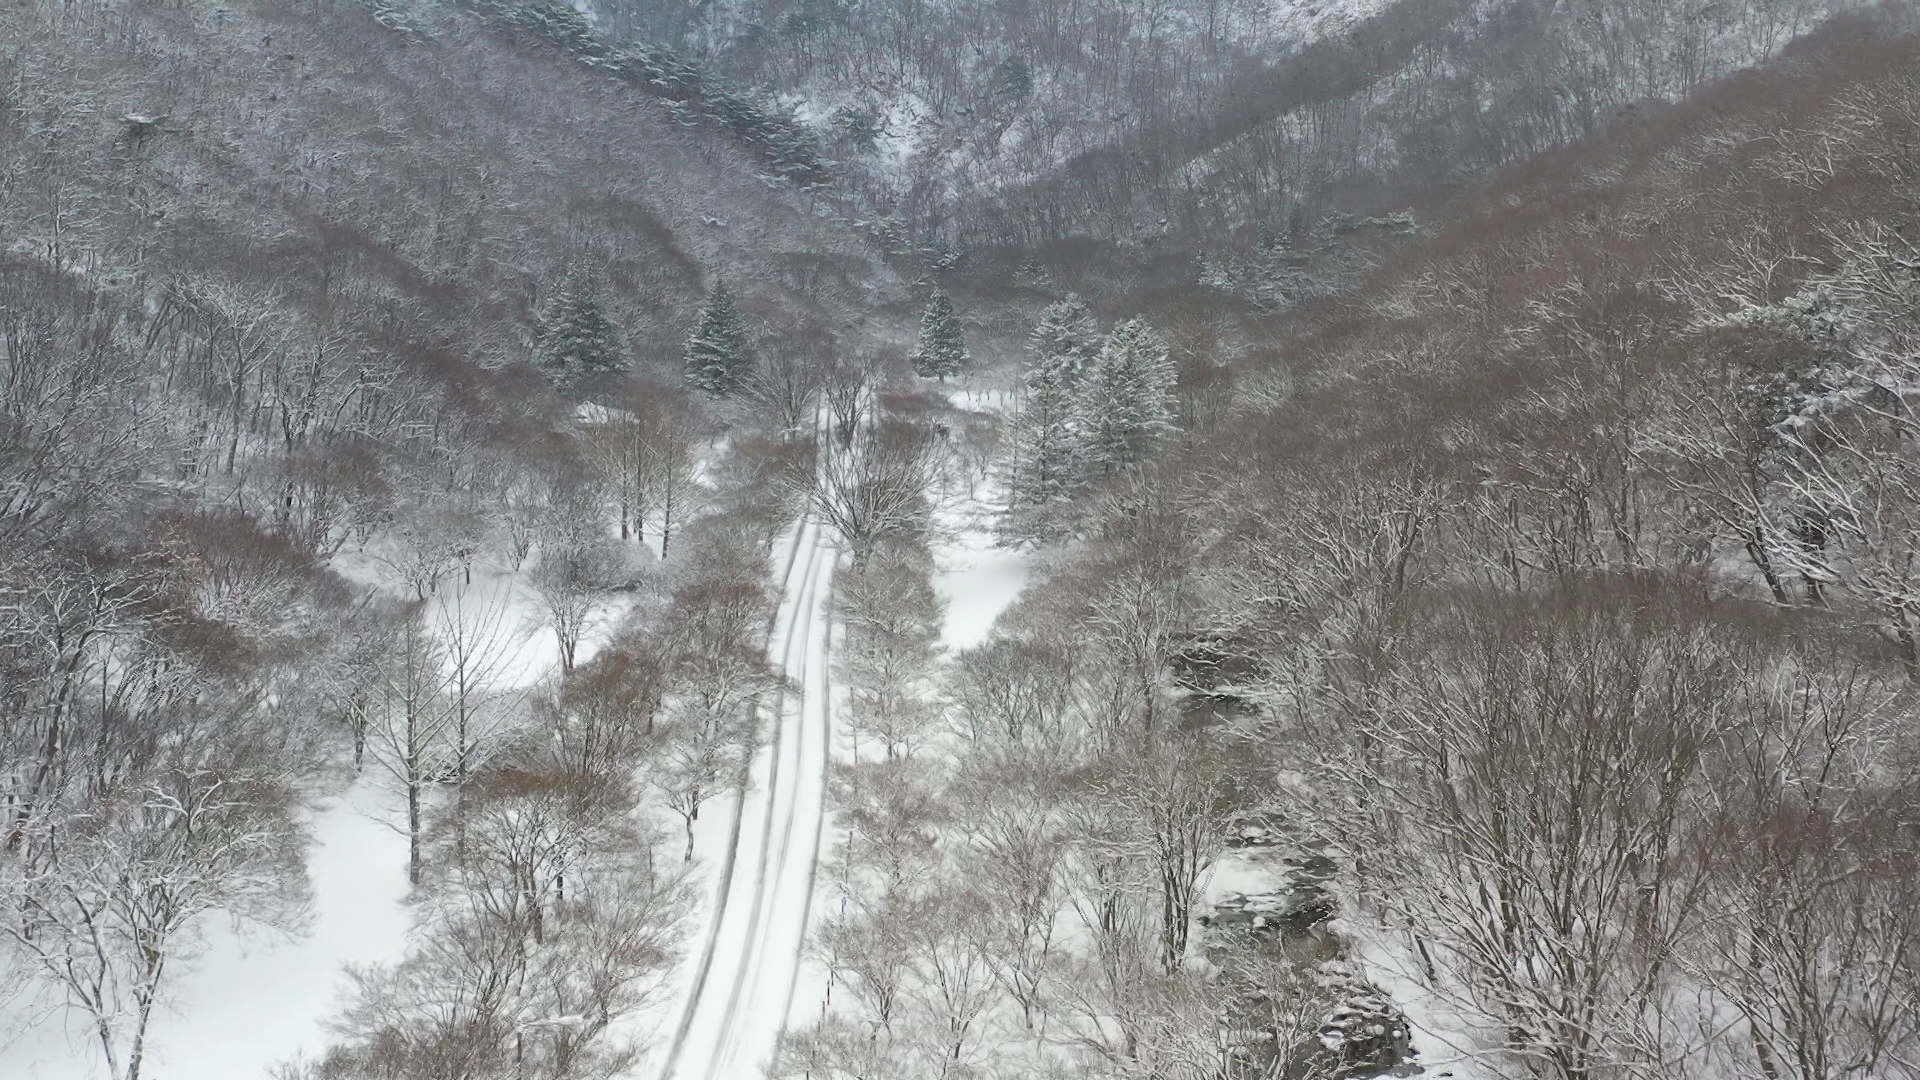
(959, 539)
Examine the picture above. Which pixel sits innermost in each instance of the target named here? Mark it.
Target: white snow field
(240, 1002)
(251, 1000)
(977, 578)
(740, 983)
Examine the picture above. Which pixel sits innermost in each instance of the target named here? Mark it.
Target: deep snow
(246, 1002)
(251, 1000)
(238, 1002)
(977, 579)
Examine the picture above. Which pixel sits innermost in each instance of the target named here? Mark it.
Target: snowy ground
(977, 580)
(249, 1001)
(1451, 1044)
(740, 981)
(242, 1002)
(245, 1003)
(261, 1002)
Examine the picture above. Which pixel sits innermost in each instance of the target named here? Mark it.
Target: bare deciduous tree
(892, 621)
(877, 488)
(409, 723)
(719, 677)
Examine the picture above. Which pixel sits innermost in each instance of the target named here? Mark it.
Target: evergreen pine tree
(578, 341)
(1043, 458)
(1066, 337)
(720, 349)
(1125, 402)
(943, 346)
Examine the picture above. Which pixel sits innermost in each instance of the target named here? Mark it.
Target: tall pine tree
(1066, 337)
(579, 343)
(720, 349)
(1125, 403)
(1043, 464)
(1044, 458)
(943, 345)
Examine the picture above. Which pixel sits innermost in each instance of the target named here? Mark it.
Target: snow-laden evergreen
(1044, 455)
(720, 349)
(1125, 404)
(579, 342)
(1067, 338)
(1043, 465)
(1091, 408)
(943, 345)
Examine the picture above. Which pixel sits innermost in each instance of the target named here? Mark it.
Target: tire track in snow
(802, 559)
(774, 937)
(824, 689)
(742, 937)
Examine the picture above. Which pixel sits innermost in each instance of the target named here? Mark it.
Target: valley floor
(248, 1002)
(751, 975)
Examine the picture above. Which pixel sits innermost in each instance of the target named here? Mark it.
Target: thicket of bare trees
(1599, 625)
(875, 490)
(1538, 569)
(284, 508)
(551, 887)
(1542, 608)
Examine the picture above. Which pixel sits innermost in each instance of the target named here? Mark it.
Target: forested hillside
(287, 505)
(1199, 540)
(1514, 677)
(1028, 123)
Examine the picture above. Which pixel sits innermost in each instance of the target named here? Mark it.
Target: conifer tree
(943, 345)
(1125, 402)
(720, 349)
(1043, 459)
(1066, 338)
(578, 341)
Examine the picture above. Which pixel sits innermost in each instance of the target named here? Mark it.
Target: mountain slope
(987, 124)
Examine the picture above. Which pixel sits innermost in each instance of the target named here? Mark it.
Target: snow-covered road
(741, 983)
